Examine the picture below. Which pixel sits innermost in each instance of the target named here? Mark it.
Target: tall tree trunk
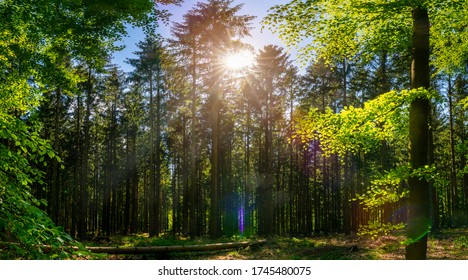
(269, 223)
(157, 165)
(76, 168)
(247, 215)
(215, 223)
(128, 185)
(54, 193)
(291, 159)
(153, 196)
(419, 203)
(131, 192)
(194, 184)
(175, 195)
(134, 182)
(453, 171)
(316, 196)
(185, 179)
(83, 215)
(347, 174)
(265, 192)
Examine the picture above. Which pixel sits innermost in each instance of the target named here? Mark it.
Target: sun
(238, 60)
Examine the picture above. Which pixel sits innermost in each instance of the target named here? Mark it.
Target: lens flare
(240, 216)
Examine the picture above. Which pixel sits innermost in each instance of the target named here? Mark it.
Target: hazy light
(238, 60)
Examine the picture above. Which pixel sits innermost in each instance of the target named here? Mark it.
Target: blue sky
(259, 38)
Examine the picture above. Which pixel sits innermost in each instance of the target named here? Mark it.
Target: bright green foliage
(39, 41)
(361, 129)
(461, 242)
(376, 229)
(449, 35)
(330, 29)
(342, 28)
(21, 149)
(388, 188)
(464, 103)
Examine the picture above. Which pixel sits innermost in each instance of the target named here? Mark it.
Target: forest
(207, 138)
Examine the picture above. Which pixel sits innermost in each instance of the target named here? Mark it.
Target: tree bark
(419, 203)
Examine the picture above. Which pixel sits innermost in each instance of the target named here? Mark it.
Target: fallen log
(173, 249)
(140, 250)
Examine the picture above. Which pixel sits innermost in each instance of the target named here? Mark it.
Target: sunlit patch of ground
(449, 244)
(446, 245)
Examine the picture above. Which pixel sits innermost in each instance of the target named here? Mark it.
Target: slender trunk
(185, 179)
(153, 217)
(248, 188)
(195, 206)
(82, 219)
(157, 165)
(55, 193)
(291, 163)
(128, 185)
(134, 182)
(76, 168)
(347, 174)
(316, 198)
(454, 208)
(269, 223)
(175, 196)
(215, 225)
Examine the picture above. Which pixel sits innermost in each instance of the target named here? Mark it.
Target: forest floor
(449, 244)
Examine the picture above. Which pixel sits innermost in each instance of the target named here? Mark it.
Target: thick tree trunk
(419, 203)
